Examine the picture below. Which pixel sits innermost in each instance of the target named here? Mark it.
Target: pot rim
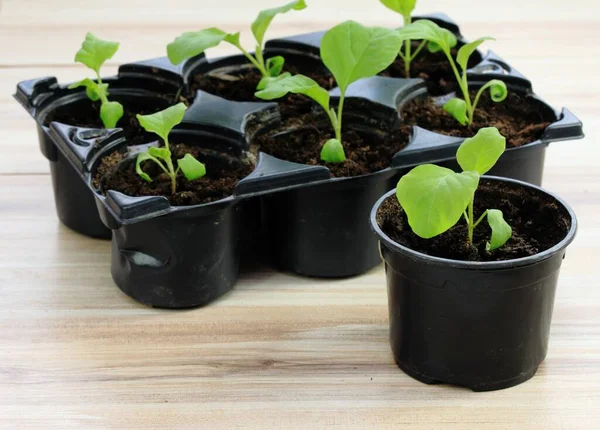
(478, 265)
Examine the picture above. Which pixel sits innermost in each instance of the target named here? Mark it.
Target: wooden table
(280, 350)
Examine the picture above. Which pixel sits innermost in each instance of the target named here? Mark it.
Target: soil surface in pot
(300, 139)
(520, 118)
(223, 172)
(241, 85)
(538, 223)
(87, 114)
(433, 68)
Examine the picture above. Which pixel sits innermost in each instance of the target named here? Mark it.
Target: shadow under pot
(74, 202)
(235, 78)
(322, 230)
(528, 124)
(480, 324)
(183, 250)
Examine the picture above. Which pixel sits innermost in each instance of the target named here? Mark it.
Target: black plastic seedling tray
(313, 224)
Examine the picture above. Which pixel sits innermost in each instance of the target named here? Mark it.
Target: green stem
(418, 50)
(470, 224)
(478, 95)
(338, 129)
(463, 84)
(172, 173)
(407, 47)
(103, 97)
(260, 66)
(480, 219)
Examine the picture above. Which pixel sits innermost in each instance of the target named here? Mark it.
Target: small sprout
(440, 39)
(435, 198)
(351, 52)
(93, 53)
(190, 44)
(161, 123)
(405, 8)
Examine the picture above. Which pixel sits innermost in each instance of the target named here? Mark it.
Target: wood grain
(279, 351)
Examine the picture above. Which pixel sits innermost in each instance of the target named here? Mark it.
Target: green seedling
(161, 123)
(435, 198)
(190, 44)
(405, 9)
(93, 53)
(440, 39)
(351, 52)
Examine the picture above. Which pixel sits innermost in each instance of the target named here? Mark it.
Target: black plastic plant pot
(482, 325)
(143, 87)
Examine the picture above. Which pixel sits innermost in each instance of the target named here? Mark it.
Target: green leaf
(434, 198)
(403, 7)
(93, 90)
(190, 44)
(143, 156)
(266, 81)
(275, 65)
(351, 51)
(191, 168)
(297, 84)
(333, 152)
(94, 52)
(438, 38)
(501, 231)
(458, 109)
(111, 113)
(481, 152)
(498, 90)
(162, 122)
(162, 153)
(465, 52)
(264, 18)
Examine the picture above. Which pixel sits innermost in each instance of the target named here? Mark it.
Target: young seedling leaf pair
(435, 198)
(405, 9)
(93, 53)
(161, 123)
(190, 44)
(440, 39)
(351, 52)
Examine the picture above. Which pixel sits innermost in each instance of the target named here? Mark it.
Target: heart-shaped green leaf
(438, 38)
(297, 84)
(191, 168)
(458, 109)
(162, 122)
(264, 18)
(94, 52)
(190, 44)
(434, 198)
(465, 51)
(480, 152)
(351, 51)
(93, 90)
(403, 7)
(333, 152)
(111, 113)
(162, 153)
(501, 231)
(143, 156)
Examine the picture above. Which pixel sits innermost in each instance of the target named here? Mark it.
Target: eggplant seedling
(440, 39)
(161, 123)
(190, 44)
(351, 52)
(435, 198)
(405, 8)
(93, 53)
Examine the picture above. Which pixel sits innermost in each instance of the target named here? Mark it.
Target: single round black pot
(482, 325)
(322, 230)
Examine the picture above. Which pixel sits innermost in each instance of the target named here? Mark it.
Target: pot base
(477, 387)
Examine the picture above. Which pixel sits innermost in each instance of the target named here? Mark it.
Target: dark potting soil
(520, 118)
(300, 139)
(433, 68)
(240, 85)
(537, 222)
(223, 172)
(87, 114)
